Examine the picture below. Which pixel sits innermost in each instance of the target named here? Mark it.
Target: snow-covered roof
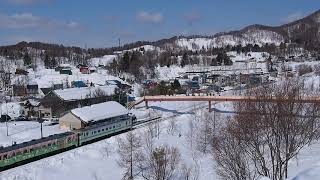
(34, 102)
(100, 111)
(83, 93)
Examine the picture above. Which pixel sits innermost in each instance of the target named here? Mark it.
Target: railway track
(159, 118)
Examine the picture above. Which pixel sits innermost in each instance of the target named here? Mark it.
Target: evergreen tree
(214, 62)
(47, 62)
(125, 62)
(220, 58)
(176, 84)
(27, 59)
(184, 60)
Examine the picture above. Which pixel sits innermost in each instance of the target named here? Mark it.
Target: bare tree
(128, 150)
(172, 127)
(98, 93)
(205, 132)
(189, 172)
(160, 164)
(265, 135)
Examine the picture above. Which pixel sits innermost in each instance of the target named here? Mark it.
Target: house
(63, 100)
(19, 90)
(81, 117)
(46, 91)
(84, 70)
(66, 71)
(62, 66)
(21, 72)
(32, 108)
(92, 69)
(32, 89)
(78, 84)
(120, 85)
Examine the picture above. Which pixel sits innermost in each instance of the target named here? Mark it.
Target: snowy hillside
(259, 37)
(102, 61)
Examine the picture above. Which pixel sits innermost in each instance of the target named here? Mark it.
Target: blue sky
(99, 23)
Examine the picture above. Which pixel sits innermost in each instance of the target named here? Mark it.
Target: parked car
(5, 117)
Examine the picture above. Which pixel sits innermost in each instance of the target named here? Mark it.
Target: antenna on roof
(119, 42)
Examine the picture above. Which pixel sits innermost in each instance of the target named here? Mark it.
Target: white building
(81, 117)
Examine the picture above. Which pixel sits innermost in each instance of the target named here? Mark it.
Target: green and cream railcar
(106, 128)
(20, 153)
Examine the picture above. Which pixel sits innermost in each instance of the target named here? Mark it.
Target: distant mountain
(304, 32)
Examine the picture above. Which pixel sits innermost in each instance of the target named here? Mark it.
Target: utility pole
(131, 158)
(7, 118)
(40, 120)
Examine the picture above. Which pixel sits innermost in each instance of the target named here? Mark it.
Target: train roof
(33, 142)
(100, 124)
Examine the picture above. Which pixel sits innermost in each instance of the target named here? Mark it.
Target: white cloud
(26, 2)
(147, 17)
(292, 17)
(28, 20)
(72, 24)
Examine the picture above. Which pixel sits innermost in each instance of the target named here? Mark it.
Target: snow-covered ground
(104, 61)
(48, 77)
(23, 131)
(99, 160)
(10, 108)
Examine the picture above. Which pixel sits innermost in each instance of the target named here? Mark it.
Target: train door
(61, 143)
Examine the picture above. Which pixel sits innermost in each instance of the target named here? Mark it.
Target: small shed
(82, 117)
(21, 72)
(92, 69)
(66, 71)
(84, 70)
(78, 84)
(19, 90)
(32, 89)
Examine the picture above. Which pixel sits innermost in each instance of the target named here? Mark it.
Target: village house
(62, 101)
(19, 90)
(32, 108)
(81, 117)
(32, 89)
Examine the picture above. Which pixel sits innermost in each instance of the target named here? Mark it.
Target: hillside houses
(61, 101)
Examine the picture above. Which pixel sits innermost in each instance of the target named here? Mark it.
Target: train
(23, 153)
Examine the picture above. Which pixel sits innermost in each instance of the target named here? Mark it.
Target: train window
(126, 122)
(25, 151)
(69, 139)
(5, 156)
(114, 127)
(102, 129)
(0, 158)
(106, 128)
(31, 150)
(49, 144)
(13, 154)
(87, 134)
(98, 131)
